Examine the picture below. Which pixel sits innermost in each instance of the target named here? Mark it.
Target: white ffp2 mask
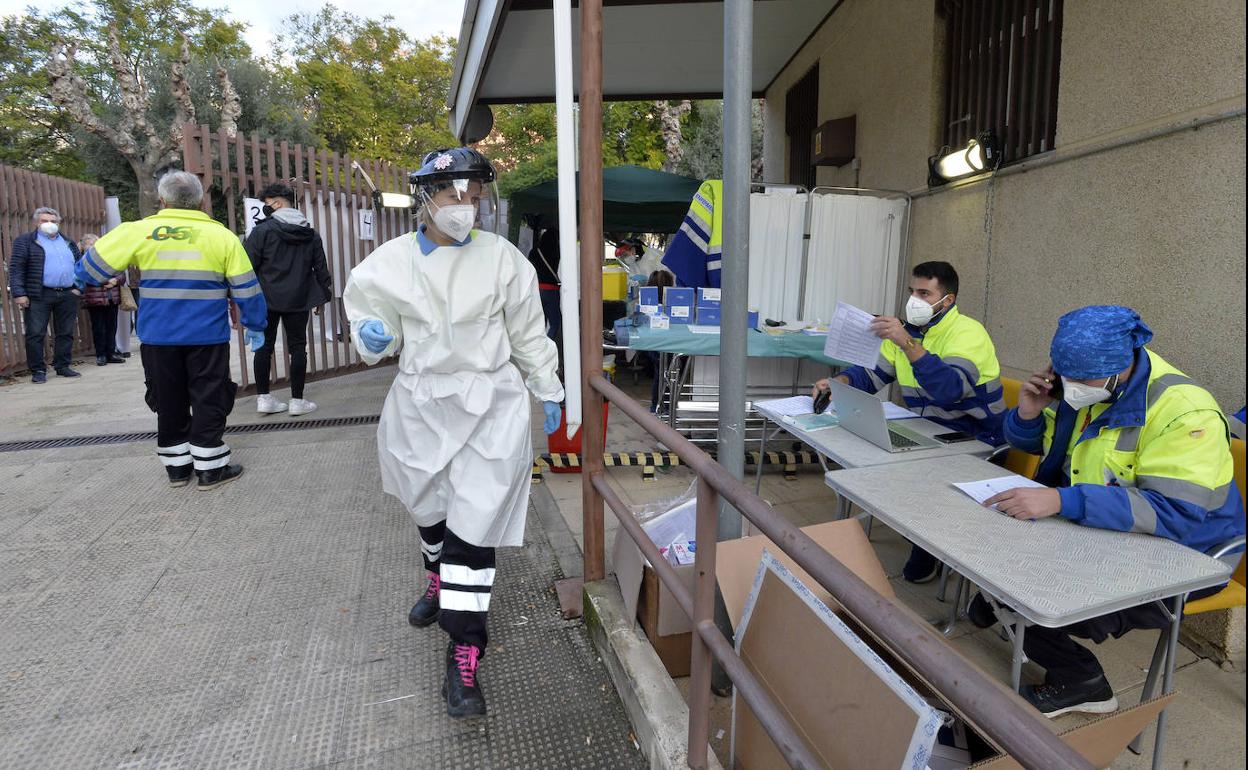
(918, 312)
(49, 228)
(456, 221)
(1079, 394)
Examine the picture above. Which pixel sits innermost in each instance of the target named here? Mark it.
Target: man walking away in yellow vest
(946, 365)
(1130, 444)
(191, 265)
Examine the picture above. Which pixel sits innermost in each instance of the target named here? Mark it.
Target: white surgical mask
(918, 312)
(49, 228)
(1080, 395)
(456, 221)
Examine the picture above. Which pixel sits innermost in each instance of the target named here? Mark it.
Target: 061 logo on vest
(167, 233)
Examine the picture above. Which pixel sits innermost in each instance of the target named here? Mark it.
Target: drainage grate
(126, 438)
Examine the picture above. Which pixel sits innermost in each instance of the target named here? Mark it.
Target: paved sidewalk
(262, 624)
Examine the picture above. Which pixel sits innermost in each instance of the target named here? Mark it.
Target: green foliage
(371, 90)
(33, 133)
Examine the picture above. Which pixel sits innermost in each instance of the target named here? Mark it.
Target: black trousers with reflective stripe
(464, 626)
(190, 390)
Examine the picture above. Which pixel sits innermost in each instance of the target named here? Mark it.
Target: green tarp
(635, 200)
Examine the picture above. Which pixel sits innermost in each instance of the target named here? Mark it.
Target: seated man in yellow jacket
(1129, 443)
(946, 365)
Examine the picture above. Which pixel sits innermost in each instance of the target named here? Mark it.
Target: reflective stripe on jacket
(1155, 460)
(957, 383)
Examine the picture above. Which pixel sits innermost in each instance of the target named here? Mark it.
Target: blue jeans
(61, 307)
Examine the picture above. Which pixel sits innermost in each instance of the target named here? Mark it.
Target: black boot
(179, 475)
(211, 479)
(461, 688)
(426, 611)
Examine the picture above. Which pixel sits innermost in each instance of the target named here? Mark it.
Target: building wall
(1158, 224)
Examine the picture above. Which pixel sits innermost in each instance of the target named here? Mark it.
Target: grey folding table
(1050, 572)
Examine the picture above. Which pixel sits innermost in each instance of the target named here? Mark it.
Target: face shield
(453, 193)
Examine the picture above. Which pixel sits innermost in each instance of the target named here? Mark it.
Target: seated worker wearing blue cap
(946, 365)
(1131, 444)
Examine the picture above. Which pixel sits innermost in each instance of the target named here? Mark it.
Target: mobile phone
(953, 437)
(1055, 388)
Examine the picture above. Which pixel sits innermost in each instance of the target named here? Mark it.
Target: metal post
(735, 272)
(591, 282)
(703, 611)
(1167, 676)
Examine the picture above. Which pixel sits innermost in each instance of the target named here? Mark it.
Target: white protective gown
(454, 439)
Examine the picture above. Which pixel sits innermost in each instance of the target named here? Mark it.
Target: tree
(370, 88)
(703, 140)
(110, 82)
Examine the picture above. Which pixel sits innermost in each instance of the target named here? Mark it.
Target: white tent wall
(855, 253)
(777, 239)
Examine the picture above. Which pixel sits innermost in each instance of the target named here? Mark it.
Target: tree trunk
(669, 117)
(149, 198)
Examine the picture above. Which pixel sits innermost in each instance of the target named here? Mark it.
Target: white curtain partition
(777, 226)
(855, 254)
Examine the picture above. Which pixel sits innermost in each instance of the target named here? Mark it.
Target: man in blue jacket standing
(41, 280)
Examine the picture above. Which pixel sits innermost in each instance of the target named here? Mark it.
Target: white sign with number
(366, 224)
(252, 214)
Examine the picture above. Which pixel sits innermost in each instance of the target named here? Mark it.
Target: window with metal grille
(801, 116)
(1001, 73)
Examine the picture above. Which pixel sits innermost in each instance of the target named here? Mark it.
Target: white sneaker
(267, 404)
(300, 406)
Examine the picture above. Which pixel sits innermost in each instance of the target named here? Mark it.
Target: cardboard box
(679, 303)
(785, 638)
(708, 315)
(648, 299)
(656, 321)
(708, 296)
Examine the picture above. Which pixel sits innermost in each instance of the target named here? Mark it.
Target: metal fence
(330, 192)
(21, 192)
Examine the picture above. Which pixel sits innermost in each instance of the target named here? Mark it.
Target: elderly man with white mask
(461, 308)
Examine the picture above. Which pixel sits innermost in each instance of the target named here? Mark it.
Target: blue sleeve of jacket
(686, 260)
(1024, 435)
(861, 378)
(945, 383)
(92, 270)
(17, 266)
(1131, 510)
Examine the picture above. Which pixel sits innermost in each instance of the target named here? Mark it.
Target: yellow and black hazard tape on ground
(648, 461)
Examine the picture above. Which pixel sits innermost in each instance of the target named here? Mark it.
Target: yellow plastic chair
(1016, 461)
(1235, 593)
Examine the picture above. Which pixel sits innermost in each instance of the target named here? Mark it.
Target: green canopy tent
(634, 200)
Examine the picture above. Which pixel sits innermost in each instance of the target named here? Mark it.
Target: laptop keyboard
(901, 442)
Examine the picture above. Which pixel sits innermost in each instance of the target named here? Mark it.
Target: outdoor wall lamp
(980, 154)
(381, 199)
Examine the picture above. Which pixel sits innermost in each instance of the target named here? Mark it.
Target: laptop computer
(863, 415)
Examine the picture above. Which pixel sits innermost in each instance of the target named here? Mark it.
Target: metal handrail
(1005, 719)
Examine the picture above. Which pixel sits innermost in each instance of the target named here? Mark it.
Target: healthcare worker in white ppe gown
(460, 306)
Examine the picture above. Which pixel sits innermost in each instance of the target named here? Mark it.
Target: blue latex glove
(373, 334)
(254, 339)
(554, 415)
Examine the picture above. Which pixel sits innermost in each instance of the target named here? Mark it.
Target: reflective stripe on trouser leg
(431, 544)
(208, 458)
(175, 456)
(467, 573)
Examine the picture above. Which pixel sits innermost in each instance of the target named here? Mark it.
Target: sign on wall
(366, 224)
(252, 214)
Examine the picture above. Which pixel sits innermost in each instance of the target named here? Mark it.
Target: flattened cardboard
(834, 688)
(1100, 741)
(736, 563)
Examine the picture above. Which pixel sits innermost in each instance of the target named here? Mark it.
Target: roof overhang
(651, 50)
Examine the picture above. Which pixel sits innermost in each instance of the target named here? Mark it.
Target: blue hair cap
(1097, 341)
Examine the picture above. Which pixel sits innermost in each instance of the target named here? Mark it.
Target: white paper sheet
(979, 491)
(850, 337)
(790, 407)
(894, 412)
(697, 329)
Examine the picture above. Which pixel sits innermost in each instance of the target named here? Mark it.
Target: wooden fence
(81, 206)
(330, 192)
